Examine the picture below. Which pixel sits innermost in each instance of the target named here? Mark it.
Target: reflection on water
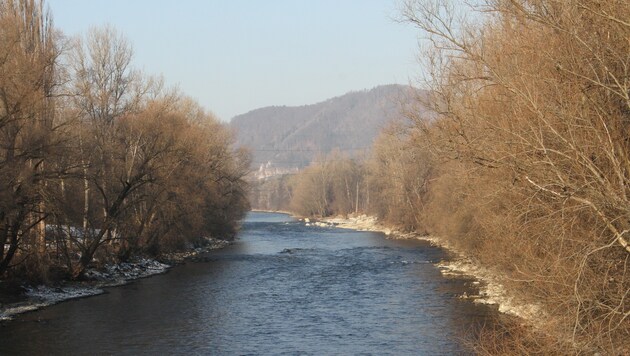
(281, 288)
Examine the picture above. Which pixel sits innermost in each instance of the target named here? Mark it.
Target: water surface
(282, 288)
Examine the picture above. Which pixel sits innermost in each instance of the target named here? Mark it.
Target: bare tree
(28, 53)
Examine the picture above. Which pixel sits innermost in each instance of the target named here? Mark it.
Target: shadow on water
(282, 288)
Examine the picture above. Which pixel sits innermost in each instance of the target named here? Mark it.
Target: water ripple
(282, 289)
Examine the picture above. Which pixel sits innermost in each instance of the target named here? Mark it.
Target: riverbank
(28, 298)
(491, 290)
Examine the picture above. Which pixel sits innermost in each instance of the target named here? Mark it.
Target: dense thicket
(526, 166)
(331, 185)
(99, 162)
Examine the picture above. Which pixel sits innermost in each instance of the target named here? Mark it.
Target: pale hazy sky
(234, 56)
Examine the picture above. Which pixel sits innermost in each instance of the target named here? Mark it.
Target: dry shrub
(509, 336)
(533, 160)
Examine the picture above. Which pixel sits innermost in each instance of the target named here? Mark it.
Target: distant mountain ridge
(285, 139)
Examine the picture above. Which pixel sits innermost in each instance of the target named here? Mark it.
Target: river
(281, 288)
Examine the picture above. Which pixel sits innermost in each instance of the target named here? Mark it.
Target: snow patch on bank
(360, 223)
(43, 296)
(108, 276)
(491, 291)
(120, 273)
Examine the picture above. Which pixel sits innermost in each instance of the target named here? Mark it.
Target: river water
(282, 288)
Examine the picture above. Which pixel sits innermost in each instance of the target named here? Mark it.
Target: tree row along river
(281, 288)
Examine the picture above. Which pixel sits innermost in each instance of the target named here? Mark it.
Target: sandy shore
(491, 291)
(36, 297)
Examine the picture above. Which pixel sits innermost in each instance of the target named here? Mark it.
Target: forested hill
(291, 137)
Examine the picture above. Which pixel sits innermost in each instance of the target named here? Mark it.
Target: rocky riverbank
(27, 298)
